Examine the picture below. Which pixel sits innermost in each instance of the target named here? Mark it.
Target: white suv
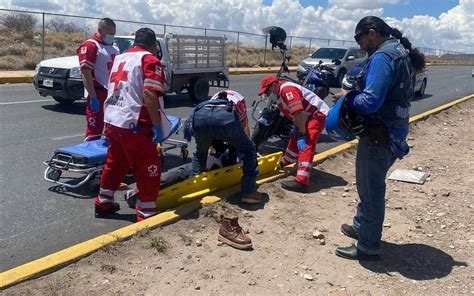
(349, 57)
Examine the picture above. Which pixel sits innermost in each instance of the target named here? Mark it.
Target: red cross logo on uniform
(118, 76)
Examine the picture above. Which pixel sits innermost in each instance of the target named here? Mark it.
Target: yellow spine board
(212, 181)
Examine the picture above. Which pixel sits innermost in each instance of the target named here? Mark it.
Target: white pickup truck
(192, 63)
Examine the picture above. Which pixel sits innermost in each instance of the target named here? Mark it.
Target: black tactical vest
(395, 109)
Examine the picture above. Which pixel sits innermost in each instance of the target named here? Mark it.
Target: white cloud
(361, 4)
(452, 30)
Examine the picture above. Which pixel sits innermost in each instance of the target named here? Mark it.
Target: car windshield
(124, 43)
(329, 53)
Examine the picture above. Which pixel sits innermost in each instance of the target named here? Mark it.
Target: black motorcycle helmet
(277, 36)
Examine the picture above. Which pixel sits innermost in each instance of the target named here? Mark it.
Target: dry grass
(159, 244)
(22, 51)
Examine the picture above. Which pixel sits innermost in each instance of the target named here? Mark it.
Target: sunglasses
(359, 35)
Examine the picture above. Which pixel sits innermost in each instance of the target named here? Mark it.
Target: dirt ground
(427, 239)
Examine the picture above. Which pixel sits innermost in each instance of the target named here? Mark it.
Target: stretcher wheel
(54, 174)
(184, 153)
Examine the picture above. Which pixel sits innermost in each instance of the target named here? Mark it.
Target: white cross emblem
(153, 170)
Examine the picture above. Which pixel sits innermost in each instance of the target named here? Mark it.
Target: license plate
(48, 83)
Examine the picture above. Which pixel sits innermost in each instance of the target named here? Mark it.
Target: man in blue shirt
(386, 82)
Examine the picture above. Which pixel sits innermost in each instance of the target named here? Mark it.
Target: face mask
(108, 39)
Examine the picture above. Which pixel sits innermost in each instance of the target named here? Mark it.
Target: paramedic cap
(145, 36)
(266, 82)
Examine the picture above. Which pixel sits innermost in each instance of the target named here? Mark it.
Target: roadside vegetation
(21, 43)
(159, 244)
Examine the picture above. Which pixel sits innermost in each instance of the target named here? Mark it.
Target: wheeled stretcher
(84, 162)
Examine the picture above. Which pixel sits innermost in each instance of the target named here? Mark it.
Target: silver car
(349, 57)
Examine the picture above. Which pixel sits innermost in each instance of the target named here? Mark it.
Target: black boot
(293, 185)
(349, 231)
(99, 212)
(355, 254)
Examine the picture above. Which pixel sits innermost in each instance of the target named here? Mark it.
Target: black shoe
(349, 231)
(354, 254)
(99, 212)
(293, 185)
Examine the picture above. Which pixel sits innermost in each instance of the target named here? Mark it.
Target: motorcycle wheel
(260, 135)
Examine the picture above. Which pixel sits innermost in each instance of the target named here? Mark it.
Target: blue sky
(445, 24)
(404, 9)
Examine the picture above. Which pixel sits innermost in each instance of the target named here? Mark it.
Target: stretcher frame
(62, 162)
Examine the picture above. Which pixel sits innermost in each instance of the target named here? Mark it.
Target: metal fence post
(265, 51)
(237, 56)
(329, 40)
(164, 30)
(42, 43)
(291, 39)
(205, 32)
(310, 39)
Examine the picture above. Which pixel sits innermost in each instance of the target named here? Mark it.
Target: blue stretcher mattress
(95, 152)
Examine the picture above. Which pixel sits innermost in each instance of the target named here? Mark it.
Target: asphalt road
(38, 219)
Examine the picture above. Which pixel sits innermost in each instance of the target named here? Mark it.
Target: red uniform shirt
(132, 72)
(293, 98)
(154, 79)
(87, 53)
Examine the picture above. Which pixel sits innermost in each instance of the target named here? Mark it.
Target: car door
(350, 64)
(361, 56)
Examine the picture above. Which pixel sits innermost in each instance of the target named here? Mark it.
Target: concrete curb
(8, 77)
(56, 260)
(16, 79)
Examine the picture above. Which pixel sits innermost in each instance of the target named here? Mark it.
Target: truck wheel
(63, 101)
(199, 89)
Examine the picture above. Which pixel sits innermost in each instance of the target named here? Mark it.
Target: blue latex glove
(157, 135)
(301, 142)
(94, 104)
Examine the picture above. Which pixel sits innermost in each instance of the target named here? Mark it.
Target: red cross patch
(83, 50)
(290, 96)
(118, 76)
(158, 70)
(153, 170)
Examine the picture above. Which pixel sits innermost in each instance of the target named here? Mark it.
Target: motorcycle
(270, 121)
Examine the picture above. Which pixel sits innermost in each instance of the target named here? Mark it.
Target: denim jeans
(372, 164)
(218, 124)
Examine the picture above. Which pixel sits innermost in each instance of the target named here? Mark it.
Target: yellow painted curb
(18, 78)
(440, 108)
(23, 79)
(48, 263)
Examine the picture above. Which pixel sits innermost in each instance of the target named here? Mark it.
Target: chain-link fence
(28, 37)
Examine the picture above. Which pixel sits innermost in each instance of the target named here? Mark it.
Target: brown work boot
(251, 198)
(232, 234)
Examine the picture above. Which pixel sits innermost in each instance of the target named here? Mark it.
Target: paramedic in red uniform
(135, 123)
(308, 114)
(96, 56)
